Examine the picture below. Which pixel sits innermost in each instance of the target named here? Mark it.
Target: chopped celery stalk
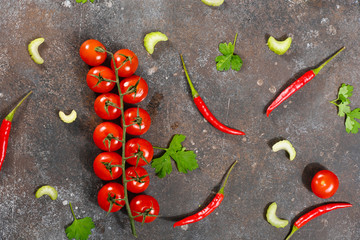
(273, 219)
(287, 146)
(214, 3)
(151, 39)
(279, 47)
(33, 48)
(47, 190)
(68, 118)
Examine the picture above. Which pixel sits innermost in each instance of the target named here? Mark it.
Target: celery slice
(287, 146)
(214, 3)
(273, 219)
(151, 39)
(68, 118)
(279, 47)
(33, 48)
(47, 190)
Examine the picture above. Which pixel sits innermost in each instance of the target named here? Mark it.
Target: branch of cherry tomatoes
(111, 137)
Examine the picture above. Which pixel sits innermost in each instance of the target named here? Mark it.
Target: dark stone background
(44, 150)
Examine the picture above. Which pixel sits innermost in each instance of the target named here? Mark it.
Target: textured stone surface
(44, 150)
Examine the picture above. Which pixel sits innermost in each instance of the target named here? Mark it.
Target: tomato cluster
(108, 136)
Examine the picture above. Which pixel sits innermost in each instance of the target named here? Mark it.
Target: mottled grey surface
(44, 150)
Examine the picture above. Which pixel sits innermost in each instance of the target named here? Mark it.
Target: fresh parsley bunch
(228, 59)
(342, 102)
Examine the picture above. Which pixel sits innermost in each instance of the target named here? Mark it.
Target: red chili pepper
(315, 213)
(5, 131)
(299, 83)
(209, 208)
(205, 110)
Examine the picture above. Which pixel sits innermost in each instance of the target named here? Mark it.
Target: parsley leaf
(342, 102)
(80, 229)
(185, 160)
(228, 59)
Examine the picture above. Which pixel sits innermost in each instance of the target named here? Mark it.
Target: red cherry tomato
(128, 60)
(324, 184)
(142, 121)
(107, 166)
(104, 108)
(89, 55)
(141, 149)
(108, 133)
(140, 91)
(98, 84)
(140, 178)
(112, 203)
(143, 205)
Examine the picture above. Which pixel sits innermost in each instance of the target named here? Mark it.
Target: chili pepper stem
(293, 230)
(227, 176)
(194, 93)
(317, 70)
(10, 116)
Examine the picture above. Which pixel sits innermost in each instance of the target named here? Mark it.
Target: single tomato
(139, 119)
(107, 166)
(89, 55)
(137, 87)
(127, 61)
(99, 79)
(324, 184)
(107, 106)
(109, 195)
(144, 208)
(140, 179)
(107, 136)
(138, 152)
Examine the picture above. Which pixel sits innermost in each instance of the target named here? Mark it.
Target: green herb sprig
(80, 229)
(342, 102)
(228, 59)
(185, 160)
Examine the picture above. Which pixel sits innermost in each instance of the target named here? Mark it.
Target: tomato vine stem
(126, 198)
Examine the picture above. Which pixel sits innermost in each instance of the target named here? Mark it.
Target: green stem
(126, 198)
(293, 230)
(10, 116)
(165, 149)
(235, 40)
(227, 176)
(72, 210)
(194, 93)
(317, 70)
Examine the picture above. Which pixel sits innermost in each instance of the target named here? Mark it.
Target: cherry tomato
(108, 133)
(112, 203)
(98, 84)
(324, 184)
(142, 121)
(128, 60)
(141, 179)
(104, 108)
(142, 206)
(140, 91)
(141, 149)
(107, 166)
(89, 55)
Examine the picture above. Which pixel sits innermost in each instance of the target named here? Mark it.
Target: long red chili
(5, 131)
(209, 208)
(205, 110)
(299, 83)
(316, 213)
